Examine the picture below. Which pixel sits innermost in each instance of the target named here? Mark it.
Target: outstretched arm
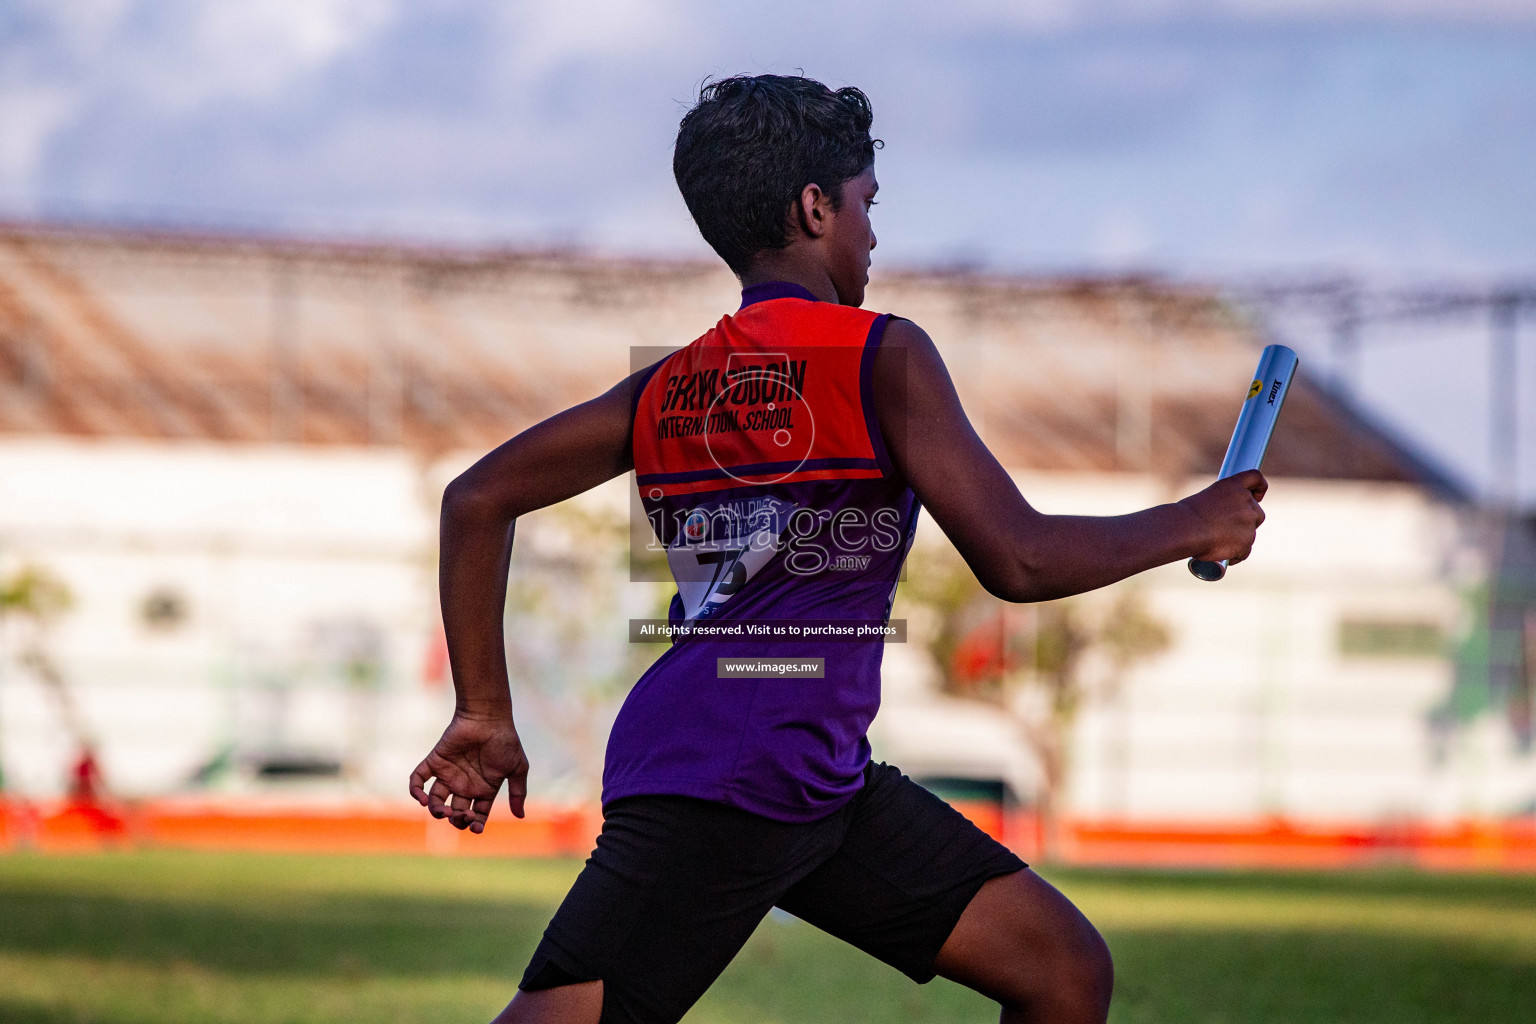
(1017, 553)
(554, 460)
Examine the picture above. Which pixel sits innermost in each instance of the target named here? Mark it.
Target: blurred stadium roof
(116, 333)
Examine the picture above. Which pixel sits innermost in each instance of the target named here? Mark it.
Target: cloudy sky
(1204, 136)
(1394, 139)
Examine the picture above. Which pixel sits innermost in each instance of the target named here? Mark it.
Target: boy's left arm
(1016, 552)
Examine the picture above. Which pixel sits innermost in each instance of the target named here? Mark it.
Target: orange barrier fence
(1494, 845)
(228, 825)
(1507, 845)
(549, 831)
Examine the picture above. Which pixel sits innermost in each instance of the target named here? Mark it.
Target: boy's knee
(1024, 944)
(1072, 979)
(1091, 978)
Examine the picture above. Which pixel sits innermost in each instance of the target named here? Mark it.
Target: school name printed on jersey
(720, 397)
(725, 421)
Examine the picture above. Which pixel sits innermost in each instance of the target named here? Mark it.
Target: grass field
(179, 937)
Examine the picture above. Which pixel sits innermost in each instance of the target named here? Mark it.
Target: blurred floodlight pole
(1346, 337)
(1504, 398)
(1345, 342)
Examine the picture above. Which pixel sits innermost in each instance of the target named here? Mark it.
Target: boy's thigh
(906, 871)
(672, 891)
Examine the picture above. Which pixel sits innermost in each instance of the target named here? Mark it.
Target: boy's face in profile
(850, 238)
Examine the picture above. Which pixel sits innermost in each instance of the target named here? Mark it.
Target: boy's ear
(812, 211)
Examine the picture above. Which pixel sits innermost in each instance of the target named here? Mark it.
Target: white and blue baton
(1255, 426)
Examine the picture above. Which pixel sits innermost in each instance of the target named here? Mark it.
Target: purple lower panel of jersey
(793, 749)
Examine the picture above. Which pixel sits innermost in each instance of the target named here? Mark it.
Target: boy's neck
(795, 267)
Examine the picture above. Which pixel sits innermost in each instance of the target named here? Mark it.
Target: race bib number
(720, 547)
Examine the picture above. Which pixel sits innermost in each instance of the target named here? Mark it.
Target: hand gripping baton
(1255, 426)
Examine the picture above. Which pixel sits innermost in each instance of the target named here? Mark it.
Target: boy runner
(798, 430)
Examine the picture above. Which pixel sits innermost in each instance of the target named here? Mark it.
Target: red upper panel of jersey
(778, 392)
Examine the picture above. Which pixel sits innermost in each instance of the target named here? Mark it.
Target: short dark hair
(752, 144)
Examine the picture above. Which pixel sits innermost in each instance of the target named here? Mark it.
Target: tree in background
(32, 599)
(1038, 664)
(569, 599)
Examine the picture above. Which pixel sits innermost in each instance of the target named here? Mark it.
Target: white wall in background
(284, 557)
(1256, 709)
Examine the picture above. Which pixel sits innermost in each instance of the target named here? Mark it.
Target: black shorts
(677, 885)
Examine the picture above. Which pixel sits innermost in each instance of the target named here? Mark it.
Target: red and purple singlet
(764, 475)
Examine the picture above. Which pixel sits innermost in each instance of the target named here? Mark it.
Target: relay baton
(1255, 426)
